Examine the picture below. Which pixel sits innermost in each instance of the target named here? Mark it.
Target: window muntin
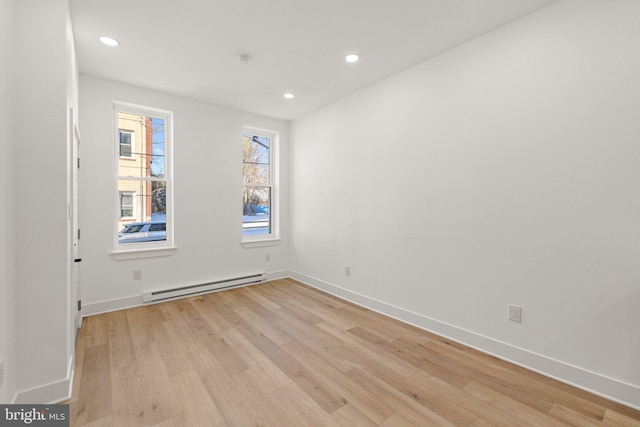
(143, 176)
(258, 184)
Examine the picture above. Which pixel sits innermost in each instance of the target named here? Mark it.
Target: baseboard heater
(203, 288)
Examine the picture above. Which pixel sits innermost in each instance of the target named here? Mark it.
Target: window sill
(120, 255)
(260, 243)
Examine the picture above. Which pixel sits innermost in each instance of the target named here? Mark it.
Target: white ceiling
(190, 47)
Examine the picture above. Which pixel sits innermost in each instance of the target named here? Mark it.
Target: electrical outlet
(137, 274)
(515, 313)
(347, 270)
(267, 257)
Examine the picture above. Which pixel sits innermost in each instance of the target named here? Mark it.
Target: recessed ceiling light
(289, 95)
(109, 41)
(352, 57)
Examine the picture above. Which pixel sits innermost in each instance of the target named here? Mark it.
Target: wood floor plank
(170, 347)
(141, 321)
(240, 298)
(225, 355)
(427, 395)
(459, 399)
(389, 328)
(218, 312)
(522, 414)
(311, 334)
(193, 321)
(220, 386)
(314, 386)
(373, 407)
(399, 420)
(274, 330)
(572, 417)
(143, 393)
(388, 347)
(356, 351)
(261, 299)
(119, 338)
(227, 302)
(186, 326)
(96, 331)
(532, 388)
(349, 416)
(208, 310)
(103, 422)
(197, 407)
(322, 305)
(294, 313)
(285, 354)
(94, 399)
(492, 376)
(615, 419)
(434, 365)
(299, 290)
(177, 421)
(404, 404)
(263, 402)
(302, 407)
(263, 367)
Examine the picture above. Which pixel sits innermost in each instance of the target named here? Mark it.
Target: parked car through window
(149, 231)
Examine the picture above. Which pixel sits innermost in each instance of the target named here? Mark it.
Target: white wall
(7, 324)
(503, 171)
(39, 161)
(208, 203)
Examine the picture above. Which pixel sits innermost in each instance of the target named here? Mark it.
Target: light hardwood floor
(284, 354)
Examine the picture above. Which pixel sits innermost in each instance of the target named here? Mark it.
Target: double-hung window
(259, 192)
(143, 178)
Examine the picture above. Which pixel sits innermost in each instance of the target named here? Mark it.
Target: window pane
(256, 158)
(143, 207)
(156, 168)
(256, 174)
(256, 218)
(142, 146)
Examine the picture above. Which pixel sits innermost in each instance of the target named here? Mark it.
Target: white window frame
(155, 248)
(133, 203)
(272, 238)
(132, 136)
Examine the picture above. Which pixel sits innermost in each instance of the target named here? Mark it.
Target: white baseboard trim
(275, 275)
(609, 388)
(49, 394)
(111, 305)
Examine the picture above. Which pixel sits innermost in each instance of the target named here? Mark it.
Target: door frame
(75, 257)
